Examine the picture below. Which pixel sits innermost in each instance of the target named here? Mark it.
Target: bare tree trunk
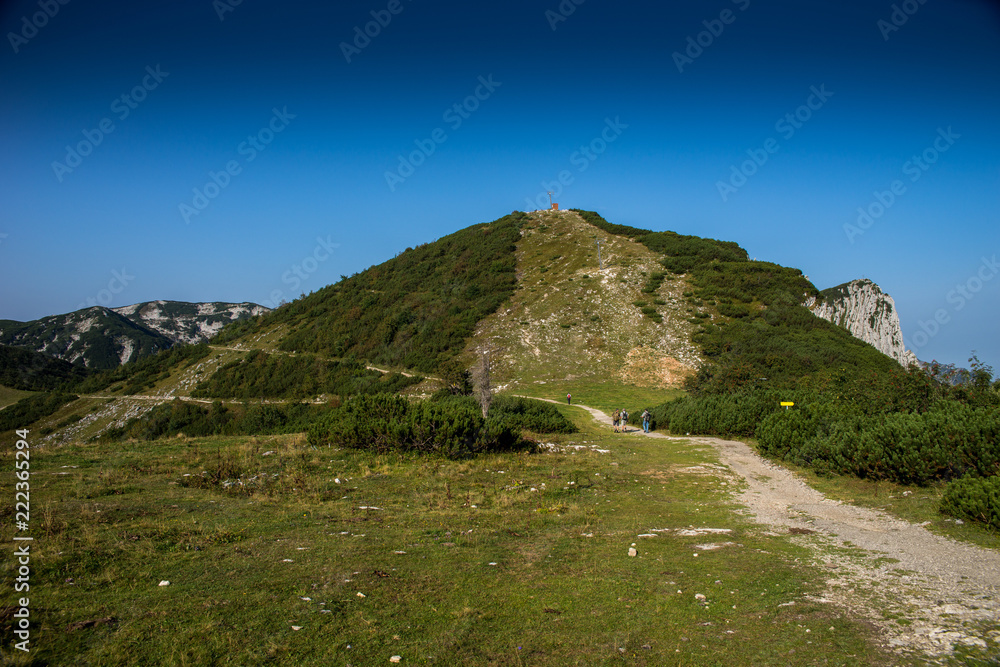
(484, 390)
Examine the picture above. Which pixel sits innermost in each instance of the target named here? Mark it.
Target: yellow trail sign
(787, 404)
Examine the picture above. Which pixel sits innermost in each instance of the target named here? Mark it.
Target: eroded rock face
(189, 323)
(868, 313)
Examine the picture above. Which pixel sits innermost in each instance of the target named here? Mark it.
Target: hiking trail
(879, 565)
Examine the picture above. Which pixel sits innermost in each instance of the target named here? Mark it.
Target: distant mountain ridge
(100, 338)
(189, 323)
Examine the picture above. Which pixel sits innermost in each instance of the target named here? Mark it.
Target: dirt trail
(880, 566)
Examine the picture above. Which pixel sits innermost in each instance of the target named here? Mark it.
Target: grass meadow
(284, 554)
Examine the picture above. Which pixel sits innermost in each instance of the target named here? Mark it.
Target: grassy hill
(528, 288)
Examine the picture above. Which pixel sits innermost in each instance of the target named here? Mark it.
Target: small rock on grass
(164, 583)
(395, 658)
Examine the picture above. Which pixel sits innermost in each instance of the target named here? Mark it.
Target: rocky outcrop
(188, 323)
(868, 313)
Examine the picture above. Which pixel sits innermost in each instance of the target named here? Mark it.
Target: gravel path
(880, 566)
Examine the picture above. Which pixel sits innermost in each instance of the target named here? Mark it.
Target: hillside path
(878, 564)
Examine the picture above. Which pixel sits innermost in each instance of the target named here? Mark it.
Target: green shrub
(947, 442)
(195, 420)
(527, 414)
(725, 414)
(974, 499)
(452, 428)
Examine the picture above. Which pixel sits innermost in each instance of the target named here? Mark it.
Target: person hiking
(624, 421)
(569, 399)
(645, 421)
(616, 419)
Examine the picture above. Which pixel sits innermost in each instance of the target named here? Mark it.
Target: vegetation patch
(31, 409)
(263, 375)
(974, 499)
(25, 369)
(385, 422)
(194, 420)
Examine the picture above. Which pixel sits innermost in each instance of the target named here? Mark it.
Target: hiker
(616, 418)
(569, 399)
(645, 421)
(624, 421)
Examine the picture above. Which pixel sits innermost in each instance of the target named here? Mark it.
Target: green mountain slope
(664, 311)
(415, 310)
(24, 369)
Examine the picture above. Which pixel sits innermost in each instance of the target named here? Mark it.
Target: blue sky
(206, 150)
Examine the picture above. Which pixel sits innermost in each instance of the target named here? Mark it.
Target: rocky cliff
(868, 313)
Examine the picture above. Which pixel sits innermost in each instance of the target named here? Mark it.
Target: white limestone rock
(868, 313)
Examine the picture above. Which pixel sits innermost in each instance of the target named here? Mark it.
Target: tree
(456, 379)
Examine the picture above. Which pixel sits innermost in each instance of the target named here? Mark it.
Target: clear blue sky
(299, 119)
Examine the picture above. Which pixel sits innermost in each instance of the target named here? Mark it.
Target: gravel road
(926, 593)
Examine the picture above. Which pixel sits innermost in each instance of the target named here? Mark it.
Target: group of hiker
(619, 420)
